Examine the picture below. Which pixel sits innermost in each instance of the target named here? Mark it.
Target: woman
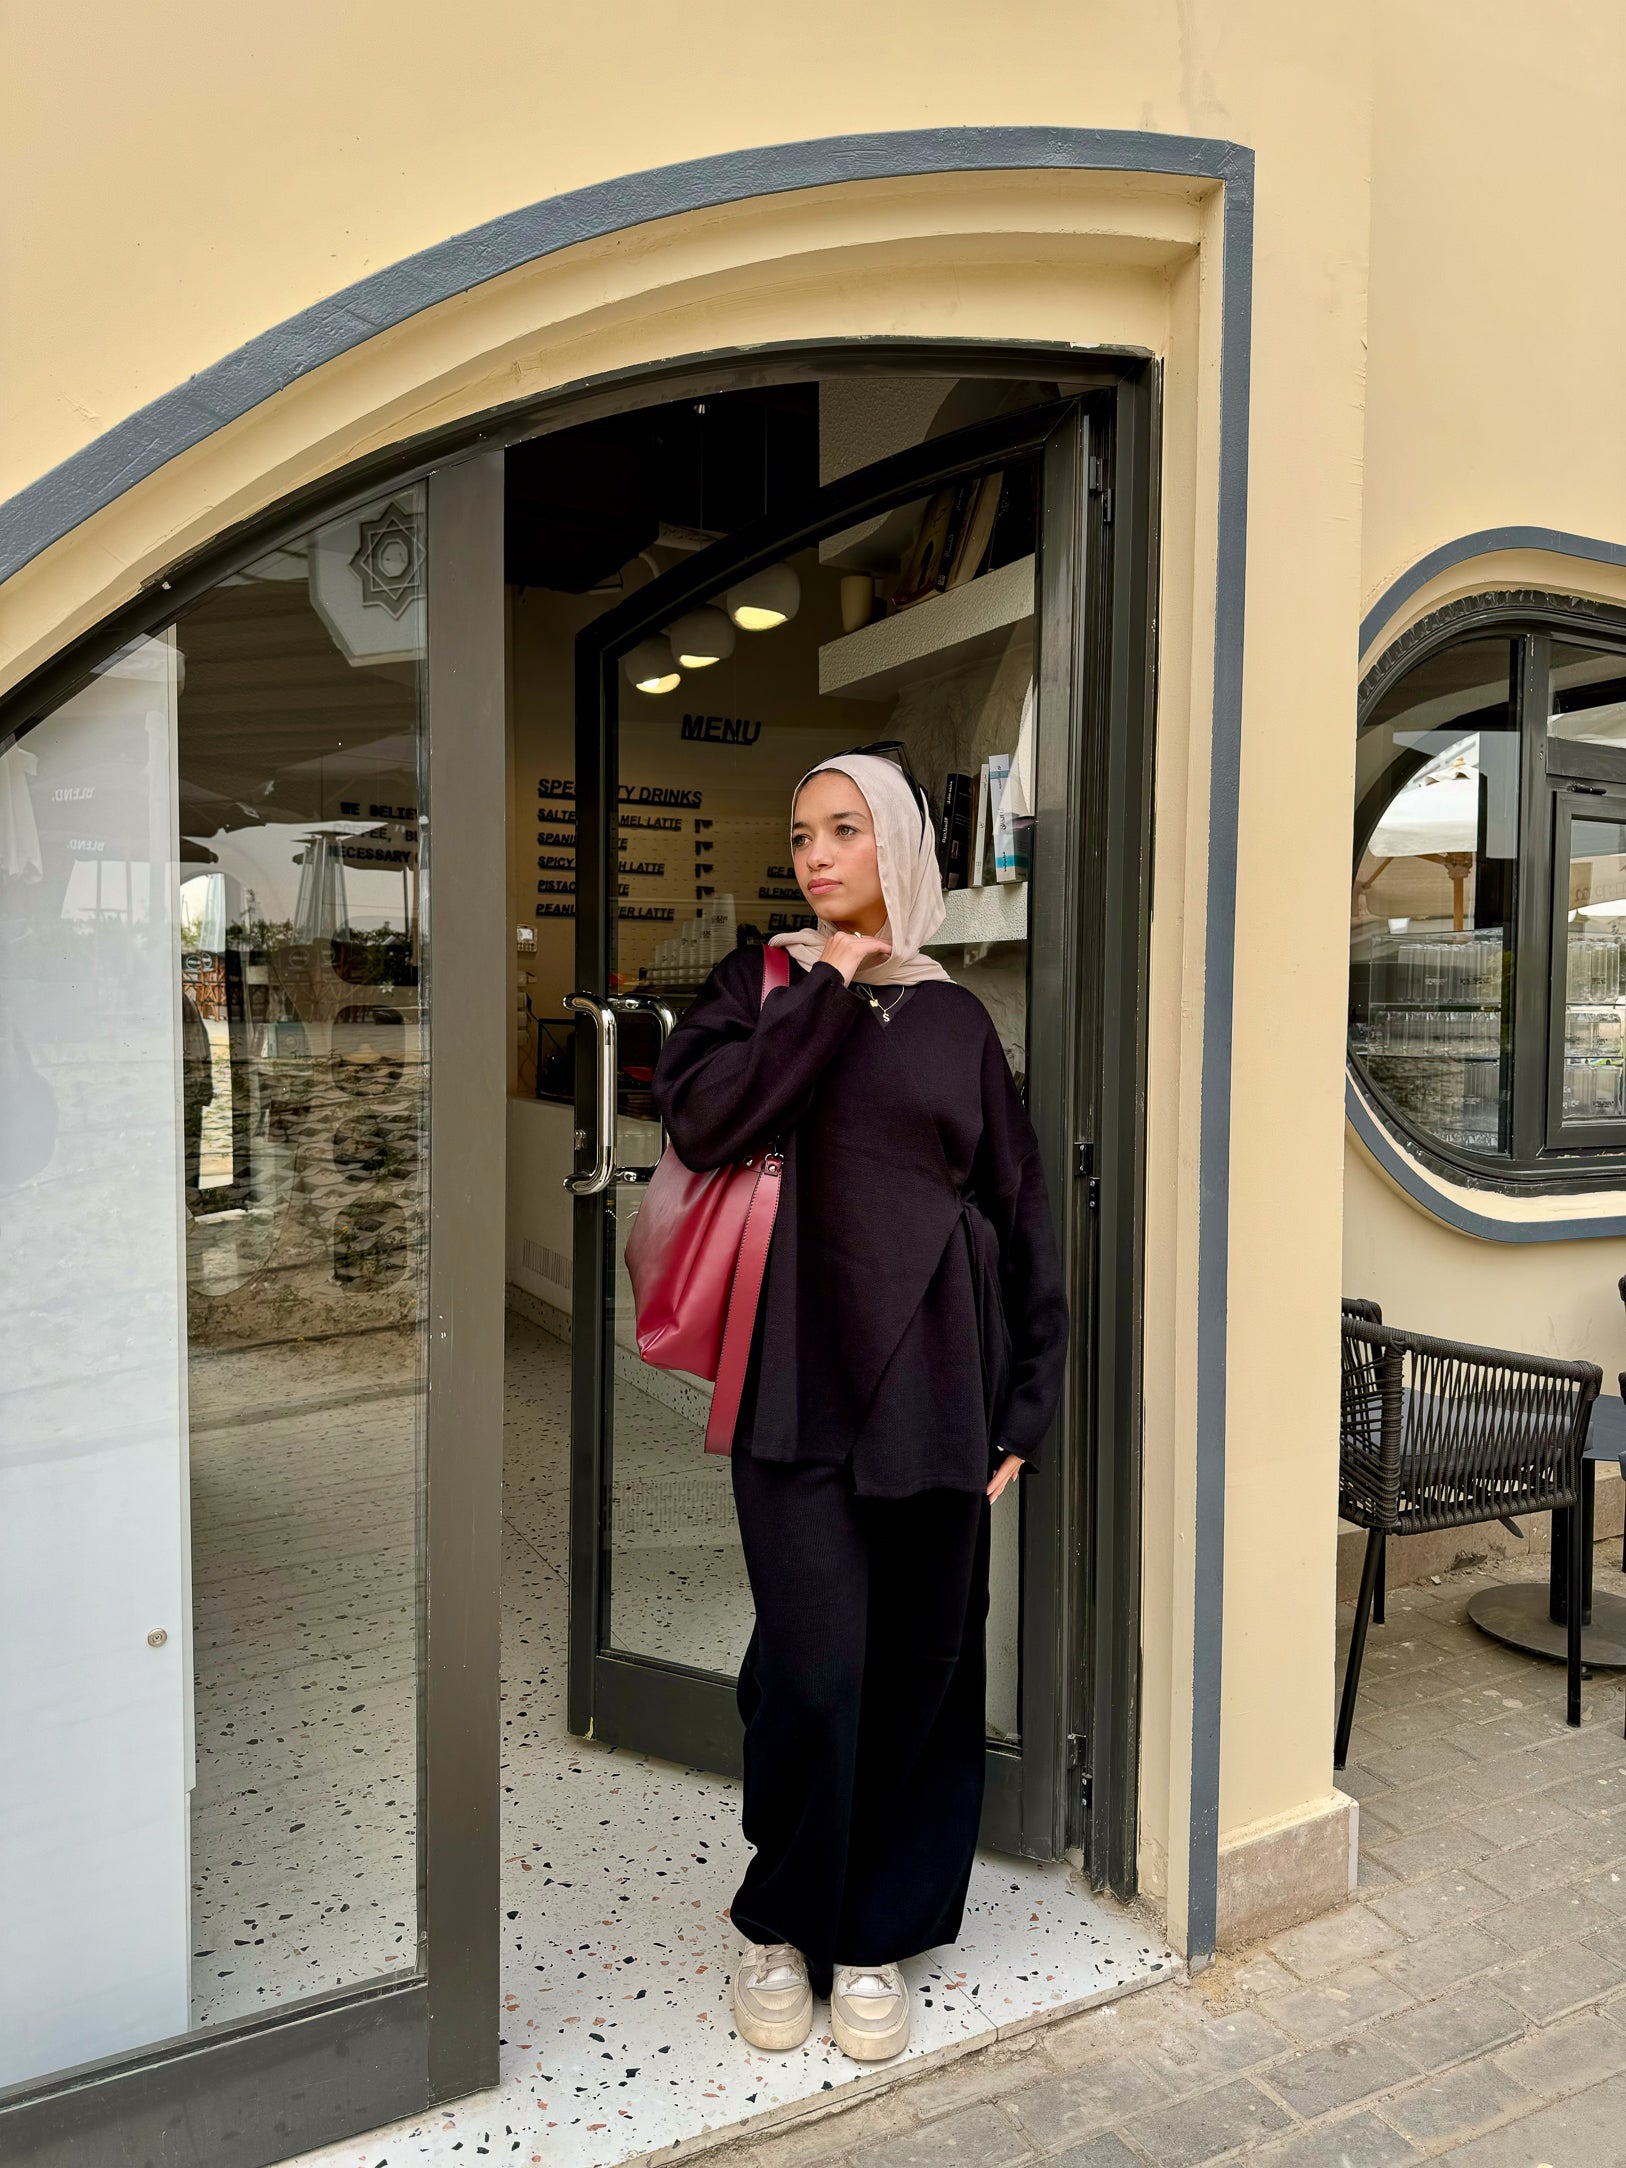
(906, 1364)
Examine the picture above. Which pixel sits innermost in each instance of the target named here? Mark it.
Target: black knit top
(913, 1317)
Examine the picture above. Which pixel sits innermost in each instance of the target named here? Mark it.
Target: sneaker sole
(775, 2036)
(868, 2047)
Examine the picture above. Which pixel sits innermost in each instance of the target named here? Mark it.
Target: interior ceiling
(582, 502)
(277, 725)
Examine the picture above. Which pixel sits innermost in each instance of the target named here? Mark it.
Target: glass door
(250, 1355)
(1587, 1047)
(934, 599)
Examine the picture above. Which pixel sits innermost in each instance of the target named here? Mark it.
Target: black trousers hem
(862, 1694)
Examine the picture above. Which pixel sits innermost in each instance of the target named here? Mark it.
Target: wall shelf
(995, 912)
(966, 622)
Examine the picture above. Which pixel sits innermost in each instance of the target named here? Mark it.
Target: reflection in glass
(1433, 911)
(305, 1101)
(1588, 695)
(1594, 1086)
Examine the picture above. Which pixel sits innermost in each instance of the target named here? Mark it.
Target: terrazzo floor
(304, 1809)
(618, 1869)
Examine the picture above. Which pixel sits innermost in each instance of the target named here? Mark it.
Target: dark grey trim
(1214, 1150)
(1481, 544)
(466, 918)
(1404, 1170)
(1120, 587)
(51, 507)
(238, 2100)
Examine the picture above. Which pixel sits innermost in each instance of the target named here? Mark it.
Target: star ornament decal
(389, 562)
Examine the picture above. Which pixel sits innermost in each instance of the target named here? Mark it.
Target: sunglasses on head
(897, 752)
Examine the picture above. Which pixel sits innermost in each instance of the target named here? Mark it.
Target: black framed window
(1487, 989)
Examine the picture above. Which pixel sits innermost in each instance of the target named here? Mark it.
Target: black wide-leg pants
(863, 1698)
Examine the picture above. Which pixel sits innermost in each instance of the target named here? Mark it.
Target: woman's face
(832, 842)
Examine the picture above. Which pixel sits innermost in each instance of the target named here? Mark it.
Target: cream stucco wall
(220, 183)
(1492, 401)
(1552, 1298)
(1497, 309)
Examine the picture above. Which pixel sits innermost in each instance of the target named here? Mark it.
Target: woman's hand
(1009, 1467)
(849, 952)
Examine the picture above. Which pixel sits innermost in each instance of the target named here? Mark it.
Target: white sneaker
(773, 2001)
(869, 2012)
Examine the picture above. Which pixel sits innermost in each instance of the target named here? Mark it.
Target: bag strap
(744, 1295)
(750, 1267)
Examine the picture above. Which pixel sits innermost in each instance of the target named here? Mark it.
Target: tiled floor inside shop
(617, 1869)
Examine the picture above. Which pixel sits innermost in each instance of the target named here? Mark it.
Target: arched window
(1487, 991)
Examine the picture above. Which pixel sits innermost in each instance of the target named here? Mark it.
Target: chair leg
(1357, 1646)
(1382, 1581)
(1574, 1607)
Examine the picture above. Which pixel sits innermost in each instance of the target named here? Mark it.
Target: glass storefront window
(1432, 913)
(214, 1045)
(1487, 992)
(1594, 1014)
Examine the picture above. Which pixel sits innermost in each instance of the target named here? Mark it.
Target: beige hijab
(911, 885)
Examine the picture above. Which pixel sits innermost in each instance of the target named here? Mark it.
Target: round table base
(1516, 1613)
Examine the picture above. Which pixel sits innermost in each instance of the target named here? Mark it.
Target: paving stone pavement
(1468, 2006)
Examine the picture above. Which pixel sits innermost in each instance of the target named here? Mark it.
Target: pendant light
(701, 637)
(766, 599)
(650, 667)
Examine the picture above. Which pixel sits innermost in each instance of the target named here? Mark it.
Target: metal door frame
(1073, 1783)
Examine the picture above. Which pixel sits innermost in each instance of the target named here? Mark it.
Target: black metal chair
(1369, 1312)
(1440, 1434)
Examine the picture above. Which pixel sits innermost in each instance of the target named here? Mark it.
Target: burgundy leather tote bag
(696, 1257)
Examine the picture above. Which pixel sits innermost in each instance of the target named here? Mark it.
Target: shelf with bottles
(1471, 1140)
(1594, 1089)
(1593, 969)
(1427, 1054)
(1433, 1031)
(1457, 1102)
(1453, 1008)
(1594, 1032)
(1437, 968)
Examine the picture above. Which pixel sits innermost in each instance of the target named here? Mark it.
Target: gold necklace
(883, 1009)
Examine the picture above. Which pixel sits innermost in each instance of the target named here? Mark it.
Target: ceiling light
(701, 638)
(650, 667)
(766, 599)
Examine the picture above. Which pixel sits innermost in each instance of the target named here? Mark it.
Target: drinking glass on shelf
(1594, 967)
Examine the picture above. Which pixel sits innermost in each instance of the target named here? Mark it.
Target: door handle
(662, 1011)
(665, 1018)
(602, 1017)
